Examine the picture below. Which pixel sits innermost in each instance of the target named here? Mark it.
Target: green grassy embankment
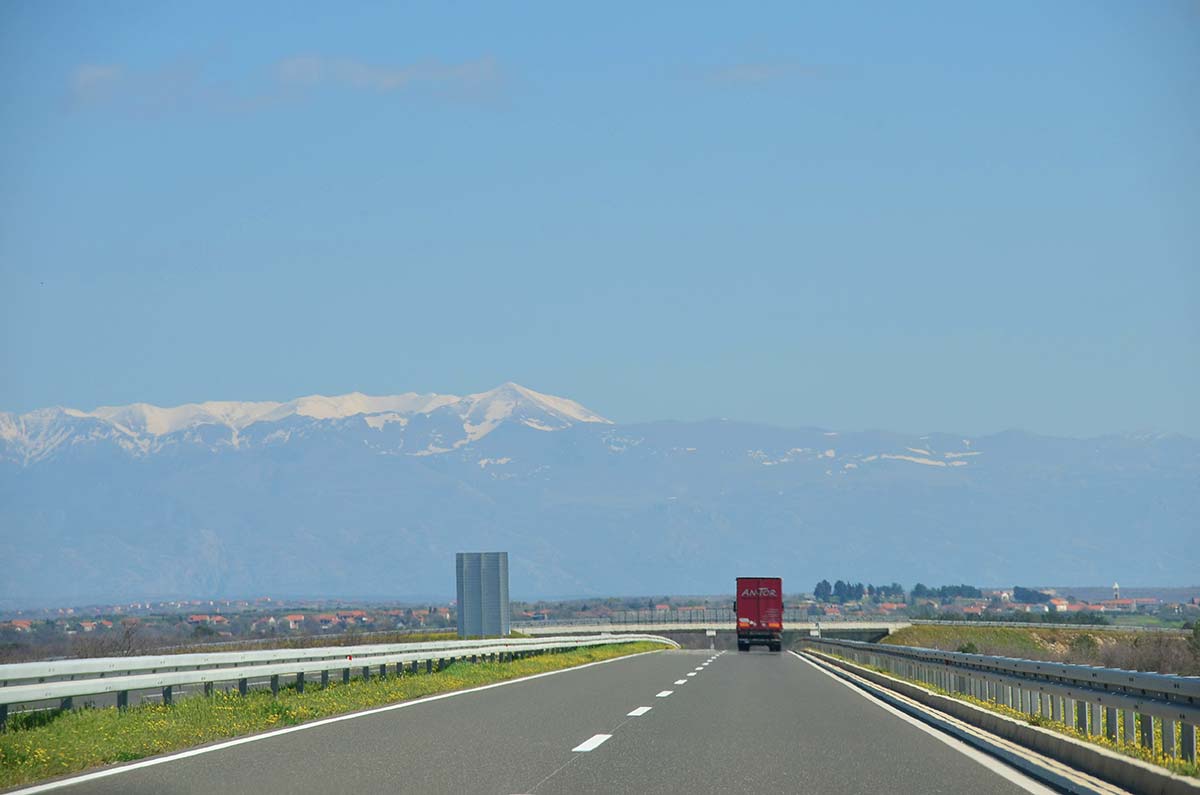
(37, 746)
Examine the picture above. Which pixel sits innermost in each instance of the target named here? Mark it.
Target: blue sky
(919, 217)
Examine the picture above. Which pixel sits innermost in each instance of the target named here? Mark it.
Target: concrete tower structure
(483, 607)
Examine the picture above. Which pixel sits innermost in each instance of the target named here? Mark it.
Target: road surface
(668, 722)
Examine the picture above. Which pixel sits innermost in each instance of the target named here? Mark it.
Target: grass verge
(70, 742)
(1155, 757)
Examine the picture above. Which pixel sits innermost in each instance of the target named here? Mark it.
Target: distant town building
(483, 607)
(1116, 592)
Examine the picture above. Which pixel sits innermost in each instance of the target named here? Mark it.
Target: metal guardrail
(1127, 707)
(121, 675)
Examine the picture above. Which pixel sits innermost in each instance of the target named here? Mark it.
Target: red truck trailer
(759, 613)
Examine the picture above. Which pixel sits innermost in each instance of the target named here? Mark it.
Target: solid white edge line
(591, 743)
(639, 712)
(991, 763)
(314, 724)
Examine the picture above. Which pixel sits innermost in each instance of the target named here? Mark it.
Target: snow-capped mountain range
(356, 495)
(141, 429)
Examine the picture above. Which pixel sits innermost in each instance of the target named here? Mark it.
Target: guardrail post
(300, 682)
(1081, 717)
(1168, 735)
(412, 668)
(274, 685)
(324, 679)
(366, 673)
(1147, 724)
(1130, 726)
(383, 671)
(429, 666)
(1110, 723)
(243, 686)
(1096, 721)
(166, 693)
(67, 704)
(208, 689)
(345, 676)
(1187, 742)
(122, 700)
(3, 716)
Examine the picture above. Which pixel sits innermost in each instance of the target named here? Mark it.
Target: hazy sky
(906, 216)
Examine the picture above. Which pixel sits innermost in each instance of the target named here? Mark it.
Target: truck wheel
(776, 647)
(743, 646)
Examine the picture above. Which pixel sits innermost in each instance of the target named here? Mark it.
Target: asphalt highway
(678, 721)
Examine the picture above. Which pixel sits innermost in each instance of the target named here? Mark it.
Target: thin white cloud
(94, 82)
(766, 72)
(184, 86)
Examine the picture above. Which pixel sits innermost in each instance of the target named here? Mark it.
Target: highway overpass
(666, 722)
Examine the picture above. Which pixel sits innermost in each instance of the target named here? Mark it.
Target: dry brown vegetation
(1136, 651)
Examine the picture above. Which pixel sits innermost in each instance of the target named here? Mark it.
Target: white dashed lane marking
(639, 712)
(681, 681)
(691, 673)
(664, 693)
(593, 742)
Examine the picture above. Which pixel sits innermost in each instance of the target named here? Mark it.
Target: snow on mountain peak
(140, 425)
(485, 410)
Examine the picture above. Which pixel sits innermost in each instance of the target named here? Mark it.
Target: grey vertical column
(1147, 727)
(1096, 722)
(1130, 732)
(1110, 723)
(1187, 742)
(1168, 737)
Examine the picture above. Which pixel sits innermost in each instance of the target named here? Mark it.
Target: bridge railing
(64, 680)
(1127, 707)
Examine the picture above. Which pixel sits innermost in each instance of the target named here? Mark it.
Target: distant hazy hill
(371, 496)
